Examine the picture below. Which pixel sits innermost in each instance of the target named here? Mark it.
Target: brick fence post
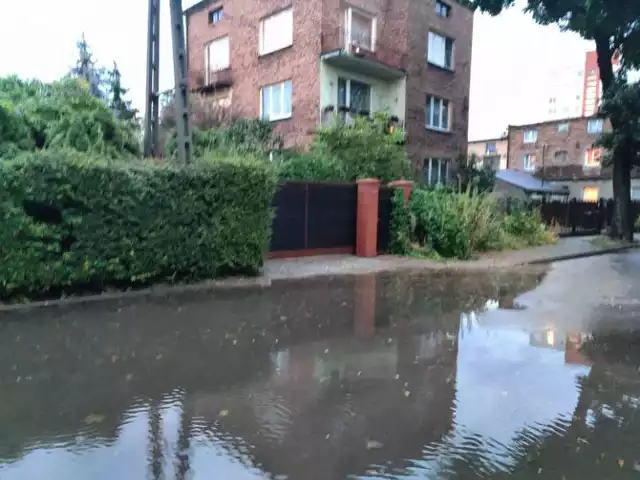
(405, 185)
(367, 218)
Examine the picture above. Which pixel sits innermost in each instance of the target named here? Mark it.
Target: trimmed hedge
(71, 223)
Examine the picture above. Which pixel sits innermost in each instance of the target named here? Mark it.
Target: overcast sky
(511, 54)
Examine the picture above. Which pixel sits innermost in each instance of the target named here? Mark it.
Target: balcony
(215, 79)
(347, 50)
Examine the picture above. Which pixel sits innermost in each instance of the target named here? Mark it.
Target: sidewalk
(565, 249)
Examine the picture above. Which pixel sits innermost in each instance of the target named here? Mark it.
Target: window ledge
(591, 166)
(279, 119)
(438, 130)
(271, 52)
(440, 67)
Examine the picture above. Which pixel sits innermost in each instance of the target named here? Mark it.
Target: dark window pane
(360, 96)
(445, 115)
(443, 171)
(448, 53)
(434, 172)
(342, 92)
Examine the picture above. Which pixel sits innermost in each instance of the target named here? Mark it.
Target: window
(436, 171)
(442, 9)
(490, 148)
(354, 95)
(635, 194)
(595, 126)
(563, 127)
(276, 32)
(530, 162)
(437, 113)
(276, 101)
(440, 51)
(216, 15)
(592, 157)
(216, 56)
(530, 136)
(561, 157)
(361, 29)
(590, 194)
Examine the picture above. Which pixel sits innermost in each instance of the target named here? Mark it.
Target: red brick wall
(575, 143)
(298, 63)
(402, 27)
(426, 79)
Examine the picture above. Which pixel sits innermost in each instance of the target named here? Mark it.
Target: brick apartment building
(561, 152)
(492, 151)
(300, 62)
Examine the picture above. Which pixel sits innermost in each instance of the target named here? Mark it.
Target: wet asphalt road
(529, 373)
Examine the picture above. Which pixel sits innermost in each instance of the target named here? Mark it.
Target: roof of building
(198, 6)
(551, 122)
(495, 139)
(529, 183)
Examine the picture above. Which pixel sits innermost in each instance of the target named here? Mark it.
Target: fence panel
(384, 218)
(332, 210)
(289, 223)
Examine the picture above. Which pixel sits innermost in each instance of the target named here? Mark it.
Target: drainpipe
(544, 151)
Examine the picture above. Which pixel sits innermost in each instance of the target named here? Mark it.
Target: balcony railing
(361, 45)
(204, 82)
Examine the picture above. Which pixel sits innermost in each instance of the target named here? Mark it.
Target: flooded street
(530, 373)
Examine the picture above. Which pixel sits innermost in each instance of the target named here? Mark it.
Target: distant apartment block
(301, 63)
(492, 152)
(592, 86)
(562, 153)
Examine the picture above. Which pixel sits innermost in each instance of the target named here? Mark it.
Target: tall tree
(115, 97)
(614, 26)
(86, 69)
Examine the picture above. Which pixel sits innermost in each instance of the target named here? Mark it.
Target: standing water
(523, 374)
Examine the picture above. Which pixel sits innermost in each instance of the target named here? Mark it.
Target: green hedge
(73, 223)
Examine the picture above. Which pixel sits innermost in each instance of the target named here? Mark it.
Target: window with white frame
(563, 127)
(440, 50)
(356, 96)
(276, 32)
(438, 113)
(635, 194)
(360, 29)
(530, 136)
(595, 126)
(276, 101)
(592, 157)
(490, 148)
(436, 171)
(216, 56)
(530, 162)
(442, 9)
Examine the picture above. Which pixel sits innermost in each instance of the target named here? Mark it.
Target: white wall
(385, 96)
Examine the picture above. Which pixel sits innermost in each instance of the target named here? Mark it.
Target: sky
(511, 54)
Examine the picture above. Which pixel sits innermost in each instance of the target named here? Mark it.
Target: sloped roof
(529, 183)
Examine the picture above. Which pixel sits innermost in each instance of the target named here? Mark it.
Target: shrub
(73, 222)
(400, 225)
(311, 166)
(456, 225)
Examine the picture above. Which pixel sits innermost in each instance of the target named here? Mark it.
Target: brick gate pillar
(367, 218)
(405, 185)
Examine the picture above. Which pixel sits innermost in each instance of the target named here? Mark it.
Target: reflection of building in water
(570, 343)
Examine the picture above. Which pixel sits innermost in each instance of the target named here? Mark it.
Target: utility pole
(183, 117)
(152, 113)
(152, 107)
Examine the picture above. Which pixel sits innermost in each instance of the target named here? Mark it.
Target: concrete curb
(259, 282)
(158, 291)
(574, 256)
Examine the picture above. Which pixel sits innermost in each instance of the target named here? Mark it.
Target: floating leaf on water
(327, 436)
(407, 393)
(621, 463)
(326, 350)
(128, 376)
(158, 356)
(223, 413)
(397, 376)
(373, 444)
(94, 418)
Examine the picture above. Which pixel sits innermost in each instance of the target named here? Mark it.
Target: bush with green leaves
(75, 223)
(64, 114)
(457, 225)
